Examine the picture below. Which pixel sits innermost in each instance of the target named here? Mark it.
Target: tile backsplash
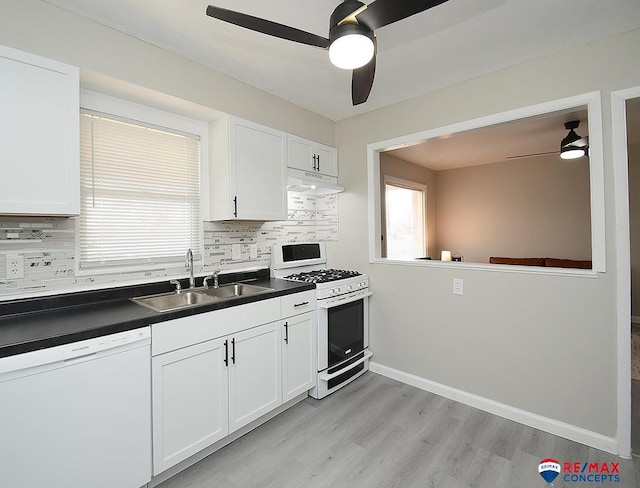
(48, 247)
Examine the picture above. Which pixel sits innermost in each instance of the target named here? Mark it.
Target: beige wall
(40, 28)
(634, 226)
(397, 168)
(542, 343)
(534, 207)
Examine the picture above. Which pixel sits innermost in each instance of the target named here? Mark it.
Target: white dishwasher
(78, 415)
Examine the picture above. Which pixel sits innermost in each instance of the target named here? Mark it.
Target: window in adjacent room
(140, 193)
(405, 219)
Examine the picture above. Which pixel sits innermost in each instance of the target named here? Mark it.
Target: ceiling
(450, 43)
(533, 137)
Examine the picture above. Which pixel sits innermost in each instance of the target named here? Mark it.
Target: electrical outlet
(236, 253)
(15, 266)
(458, 286)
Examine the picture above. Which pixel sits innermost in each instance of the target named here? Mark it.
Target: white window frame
(591, 100)
(409, 185)
(121, 108)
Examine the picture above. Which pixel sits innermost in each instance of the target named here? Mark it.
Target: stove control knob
(333, 291)
(363, 284)
(349, 287)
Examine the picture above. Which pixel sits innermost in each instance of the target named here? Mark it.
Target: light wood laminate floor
(377, 432)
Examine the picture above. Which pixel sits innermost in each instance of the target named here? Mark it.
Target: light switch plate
(458, 286)
(253, 251)
(236, 253)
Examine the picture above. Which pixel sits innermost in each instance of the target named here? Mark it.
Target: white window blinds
(140, 193)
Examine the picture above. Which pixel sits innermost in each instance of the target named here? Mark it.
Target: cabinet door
(298, 355)
(300, 154)
(326, 160)
(258, 171)
(190, 402)
(255, 374)
(311, 156)
(39, 135)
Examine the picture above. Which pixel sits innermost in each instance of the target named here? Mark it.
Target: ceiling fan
(351, 42)
(571, 147)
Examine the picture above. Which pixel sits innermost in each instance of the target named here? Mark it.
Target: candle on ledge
(445, 256)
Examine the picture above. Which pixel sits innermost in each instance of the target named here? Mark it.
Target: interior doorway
(632, 108)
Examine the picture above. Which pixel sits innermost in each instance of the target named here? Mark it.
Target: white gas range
(342, 314)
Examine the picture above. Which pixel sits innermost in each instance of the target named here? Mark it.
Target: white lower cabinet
(298, 355)
(255, 377)
(190, 402)
(216, 372)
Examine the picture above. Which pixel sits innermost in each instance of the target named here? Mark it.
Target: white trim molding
(591, 100)
(555, 427)
(623, 262)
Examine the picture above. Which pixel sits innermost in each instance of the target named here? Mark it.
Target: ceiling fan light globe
(351, 51)
(572, 152)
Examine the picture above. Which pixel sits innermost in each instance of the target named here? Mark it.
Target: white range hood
(311, 182)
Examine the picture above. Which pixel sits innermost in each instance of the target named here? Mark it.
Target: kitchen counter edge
(63, 324)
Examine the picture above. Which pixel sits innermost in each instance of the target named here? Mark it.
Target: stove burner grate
(323, 276)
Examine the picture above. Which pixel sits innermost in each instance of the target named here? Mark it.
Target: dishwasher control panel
(77, 351)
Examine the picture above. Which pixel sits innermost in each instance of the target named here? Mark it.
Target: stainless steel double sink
(166, 302)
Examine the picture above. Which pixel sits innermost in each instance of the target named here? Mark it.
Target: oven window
(346, 331)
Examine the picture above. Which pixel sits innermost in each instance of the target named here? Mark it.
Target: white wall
(544, 344)
(46, 30)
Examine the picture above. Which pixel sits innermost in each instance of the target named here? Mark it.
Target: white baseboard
(562, 429)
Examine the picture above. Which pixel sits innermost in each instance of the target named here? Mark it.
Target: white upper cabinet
(248, 179)
(39, 136)
(311, 156)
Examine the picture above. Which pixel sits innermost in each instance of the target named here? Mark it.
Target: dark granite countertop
(37, 323)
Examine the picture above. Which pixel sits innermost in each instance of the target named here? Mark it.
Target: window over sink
(140, 185)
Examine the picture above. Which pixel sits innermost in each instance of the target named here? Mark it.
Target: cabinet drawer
(298, 303)
(186, 331)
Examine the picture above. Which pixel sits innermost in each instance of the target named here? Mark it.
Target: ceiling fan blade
(582, 142)
(532, 155)
(384, 12)
(267, 27)
(362, 81)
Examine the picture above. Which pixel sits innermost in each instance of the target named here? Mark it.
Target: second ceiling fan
(351, 42)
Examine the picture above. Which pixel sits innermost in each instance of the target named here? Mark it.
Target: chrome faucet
(189, 264)
(215, 274)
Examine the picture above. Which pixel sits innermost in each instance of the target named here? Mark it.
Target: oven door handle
(334, 302)
(327, 376)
